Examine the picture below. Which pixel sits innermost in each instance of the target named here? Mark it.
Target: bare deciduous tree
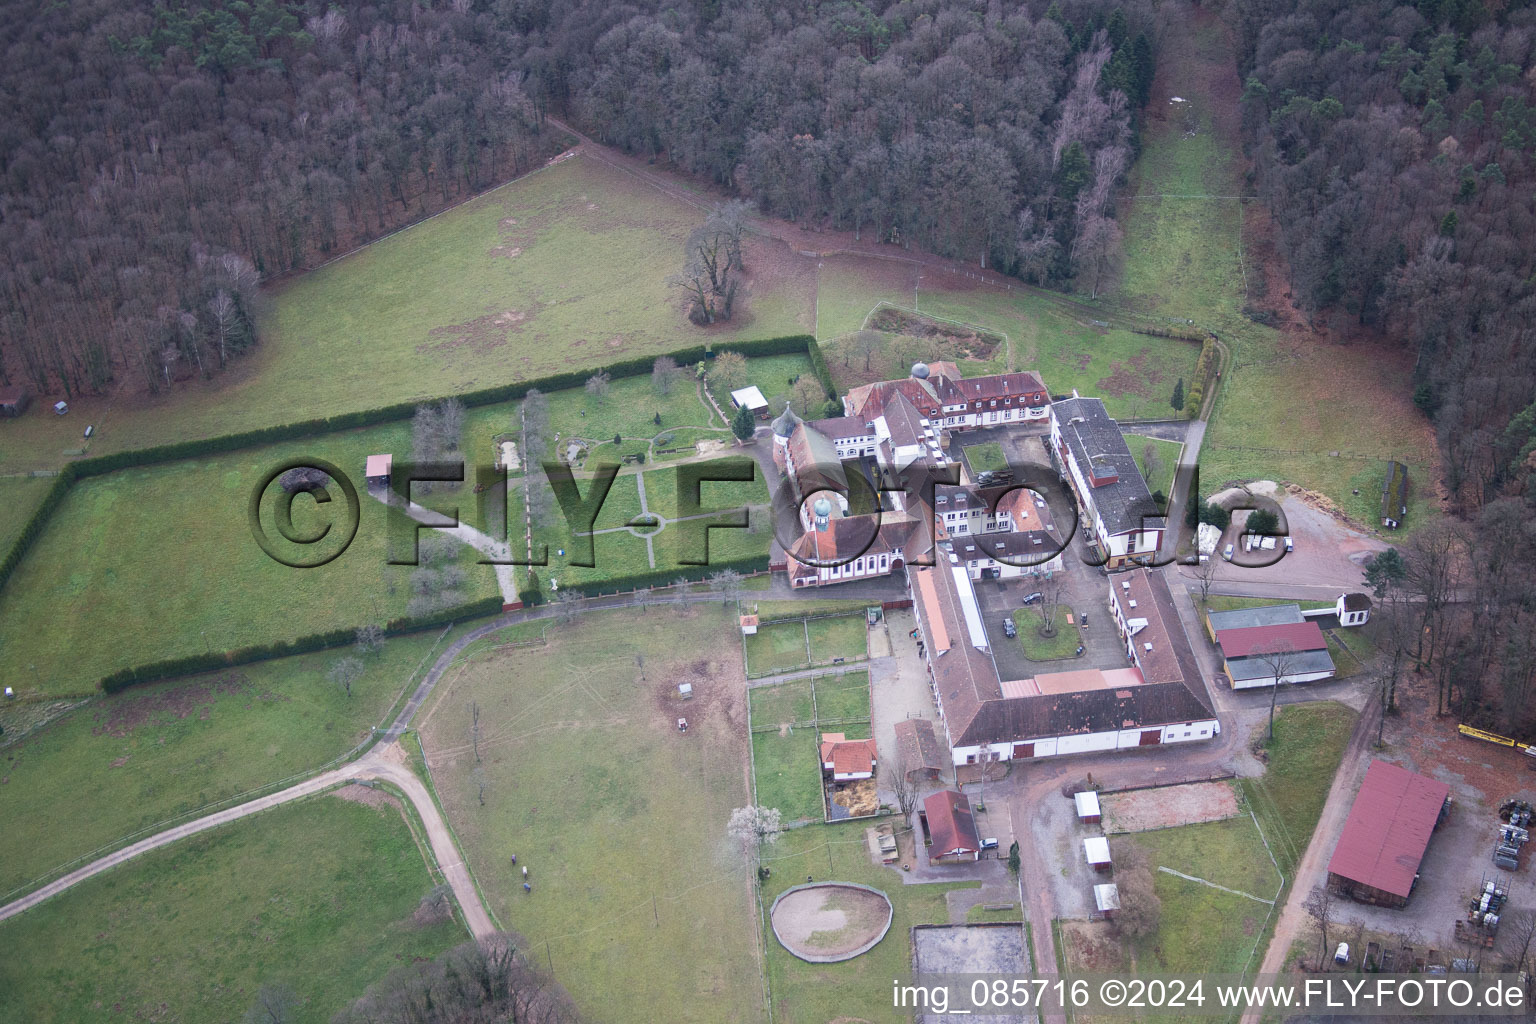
(275, 1003)
(728, 583)
(1319, 906)
(753, 828)
(664, 375)
(344, 672)
(1140, 908)
(1279, 662)
(729, 370)
(370, 638)
(598, 386)
(904, 785)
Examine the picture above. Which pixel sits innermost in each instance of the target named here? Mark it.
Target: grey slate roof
(1099, 449)
(1246, 618)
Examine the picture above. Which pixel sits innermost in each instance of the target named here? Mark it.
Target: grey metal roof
(1297, 663)
(1246, 618)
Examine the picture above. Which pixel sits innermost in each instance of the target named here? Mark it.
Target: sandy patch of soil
(828, 920)
(1167, 806)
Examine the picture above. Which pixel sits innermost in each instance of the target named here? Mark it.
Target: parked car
(1341, 955)
(1009, 629)
(989, 844)
(1226, 552)
(1290, 545)
(1032, 598)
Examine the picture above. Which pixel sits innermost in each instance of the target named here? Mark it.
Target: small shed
(921, 755)
(14, 402)
(378, 468)
(60, 408)
(685, 691)
(1353, 609)
(1106, 899)
(751, 399)
(1394, 496)
(748, 625)
(1096, 849)
(1087, 807)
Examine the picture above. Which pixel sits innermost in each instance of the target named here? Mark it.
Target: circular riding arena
(825, 922)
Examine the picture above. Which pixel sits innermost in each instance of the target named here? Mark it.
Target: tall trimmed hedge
(172, 667)
(102, 464)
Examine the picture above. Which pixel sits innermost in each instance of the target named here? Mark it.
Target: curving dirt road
(381, 765)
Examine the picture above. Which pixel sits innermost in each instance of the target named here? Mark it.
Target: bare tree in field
(479, 981)
(474, 729)
(481, 783)
(1205, 571)
(728, 583)
(566, 604)
(664, 374)
(753, 828)
(1140, 907)
(369, 638)
(275, 1003)
(224, 312)
(1049, 605)
(866, 344)
(904, 785)
(1279, 662)
(598, 386)
(344, 672)
(1319, 906)
(808, 395)
(729, 370)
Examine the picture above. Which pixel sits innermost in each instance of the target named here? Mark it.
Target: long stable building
(1387, 832)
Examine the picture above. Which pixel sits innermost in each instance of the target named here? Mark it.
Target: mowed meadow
(641, 905)
(147, 564)
(320, 896)
(564, 268)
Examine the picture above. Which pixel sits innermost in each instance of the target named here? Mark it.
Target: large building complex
(971, 534)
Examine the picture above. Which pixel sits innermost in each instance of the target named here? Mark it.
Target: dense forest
(160, 161)
(985, 131)
(1397, 148)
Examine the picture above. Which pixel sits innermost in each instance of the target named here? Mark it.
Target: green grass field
(129, 762)
(1289, 796)
(843, 698)
(782, 704)
(782, 646)
(986, 458)
(1165, 457)
(639, 901)
(563, 268)
(1051, 335)
(1227, 603)
(1040, 648)
(19, 495)
(787, 774)
(190, 932)
(857, 989)
(621, 554)
(1300, 394)
(147, 564)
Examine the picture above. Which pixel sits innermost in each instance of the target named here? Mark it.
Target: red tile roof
(950, 824)
(848, 757)
(1257, 640)
(1388, 828)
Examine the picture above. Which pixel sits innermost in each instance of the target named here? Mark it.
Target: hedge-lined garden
(199, 595)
